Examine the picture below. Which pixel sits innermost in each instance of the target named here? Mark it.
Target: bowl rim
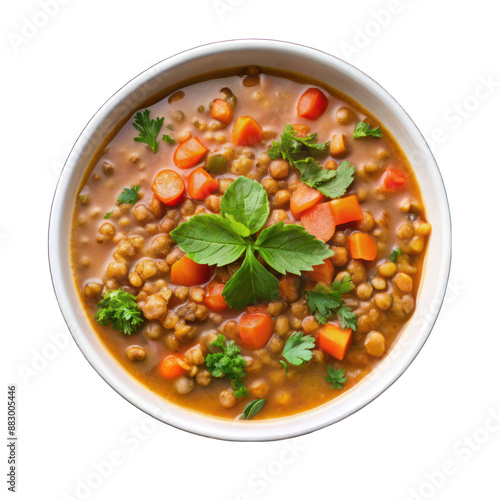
(204, 426)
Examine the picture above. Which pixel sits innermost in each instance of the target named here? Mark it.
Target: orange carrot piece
(363, 246)
(221, 111)
(335, 341)
(214, 299)
(187, 272)
(200, 184)
(322, 273)
(393, 179)
(346, 209)
(312, 104)
(189, 153)
(256, 327)
(304, 197)
(301, 130)
(246, 131)
(170, 367)
(168, 187)
(319, 221)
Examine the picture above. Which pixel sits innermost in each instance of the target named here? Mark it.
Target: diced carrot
(171, 367)
(338, 145)
(363, 246)
(169, 187)
(246, 131)
(322, 272)
(214, 299)
(189, 153)
(312, 104)
(256, 327)
(301, 130)
(346, 210)
(335, 341)
(200, 184)
(393, 179)
(187, 272)
(319, 221)
(222, 111)
(304, 197)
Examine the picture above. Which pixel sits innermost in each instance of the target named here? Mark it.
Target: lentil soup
(249, 246)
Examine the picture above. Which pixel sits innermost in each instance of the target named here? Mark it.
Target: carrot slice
(322, 272)
(363, 246)
(200, 184)
(312, 104)
(187, 272)
(319, 221)
(335, 341)
(189, 153)
(214, 299)
(170, 367)
(246, 131)
(168, 187)
(221, 111)
(304, 197)
(393, 179)
(346, 209)
(255, 327)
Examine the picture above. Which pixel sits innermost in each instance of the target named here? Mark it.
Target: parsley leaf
(148, 129)
(107, 215)
(209, 239)
(129, 195)
(326, 301)
(335, 377)
(290, 248)
(245, 203)
(250, 284)
(393, 257)
(120, 308)
(298, 349)
(168, 139)
(252, 408)
(300, 151)
(228, 363)
(363, 130)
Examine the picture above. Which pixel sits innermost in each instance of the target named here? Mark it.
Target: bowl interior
(318, 66)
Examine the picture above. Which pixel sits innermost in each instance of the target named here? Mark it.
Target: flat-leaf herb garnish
(363, 130)
(252, 408)
(298, 349)
(335, 377)
(326, 302)
(301, 152)
(221, 239)
(148, 129)
(129, 195)
(396, 252)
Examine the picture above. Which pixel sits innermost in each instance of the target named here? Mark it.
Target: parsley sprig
(298, 349)
(221, 239)
(335, 377)
(363, 130)
(393, 257)
(326, 302)
(228, 362)
(148, 129)
(301, 152)
(129, 195)
(119, 308)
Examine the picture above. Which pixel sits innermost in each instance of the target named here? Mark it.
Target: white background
(432, 57)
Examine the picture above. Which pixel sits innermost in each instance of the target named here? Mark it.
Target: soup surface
(249, 246)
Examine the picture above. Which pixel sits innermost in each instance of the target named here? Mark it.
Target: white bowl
(319, 66)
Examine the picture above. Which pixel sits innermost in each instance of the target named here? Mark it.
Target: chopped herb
(228, 363)
(129, 195)
(121, 309)
(107, 215)
(300, 152)
(363, 130)
(83, 198)
(326, 302)
(148, 129)
(167, 138)
(169, 127)
(222, 239)
(335, 377)
(252, 408)
(285, 365)
(393, 257)
(298, 349)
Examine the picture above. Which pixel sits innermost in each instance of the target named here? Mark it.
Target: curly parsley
(119, 308)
